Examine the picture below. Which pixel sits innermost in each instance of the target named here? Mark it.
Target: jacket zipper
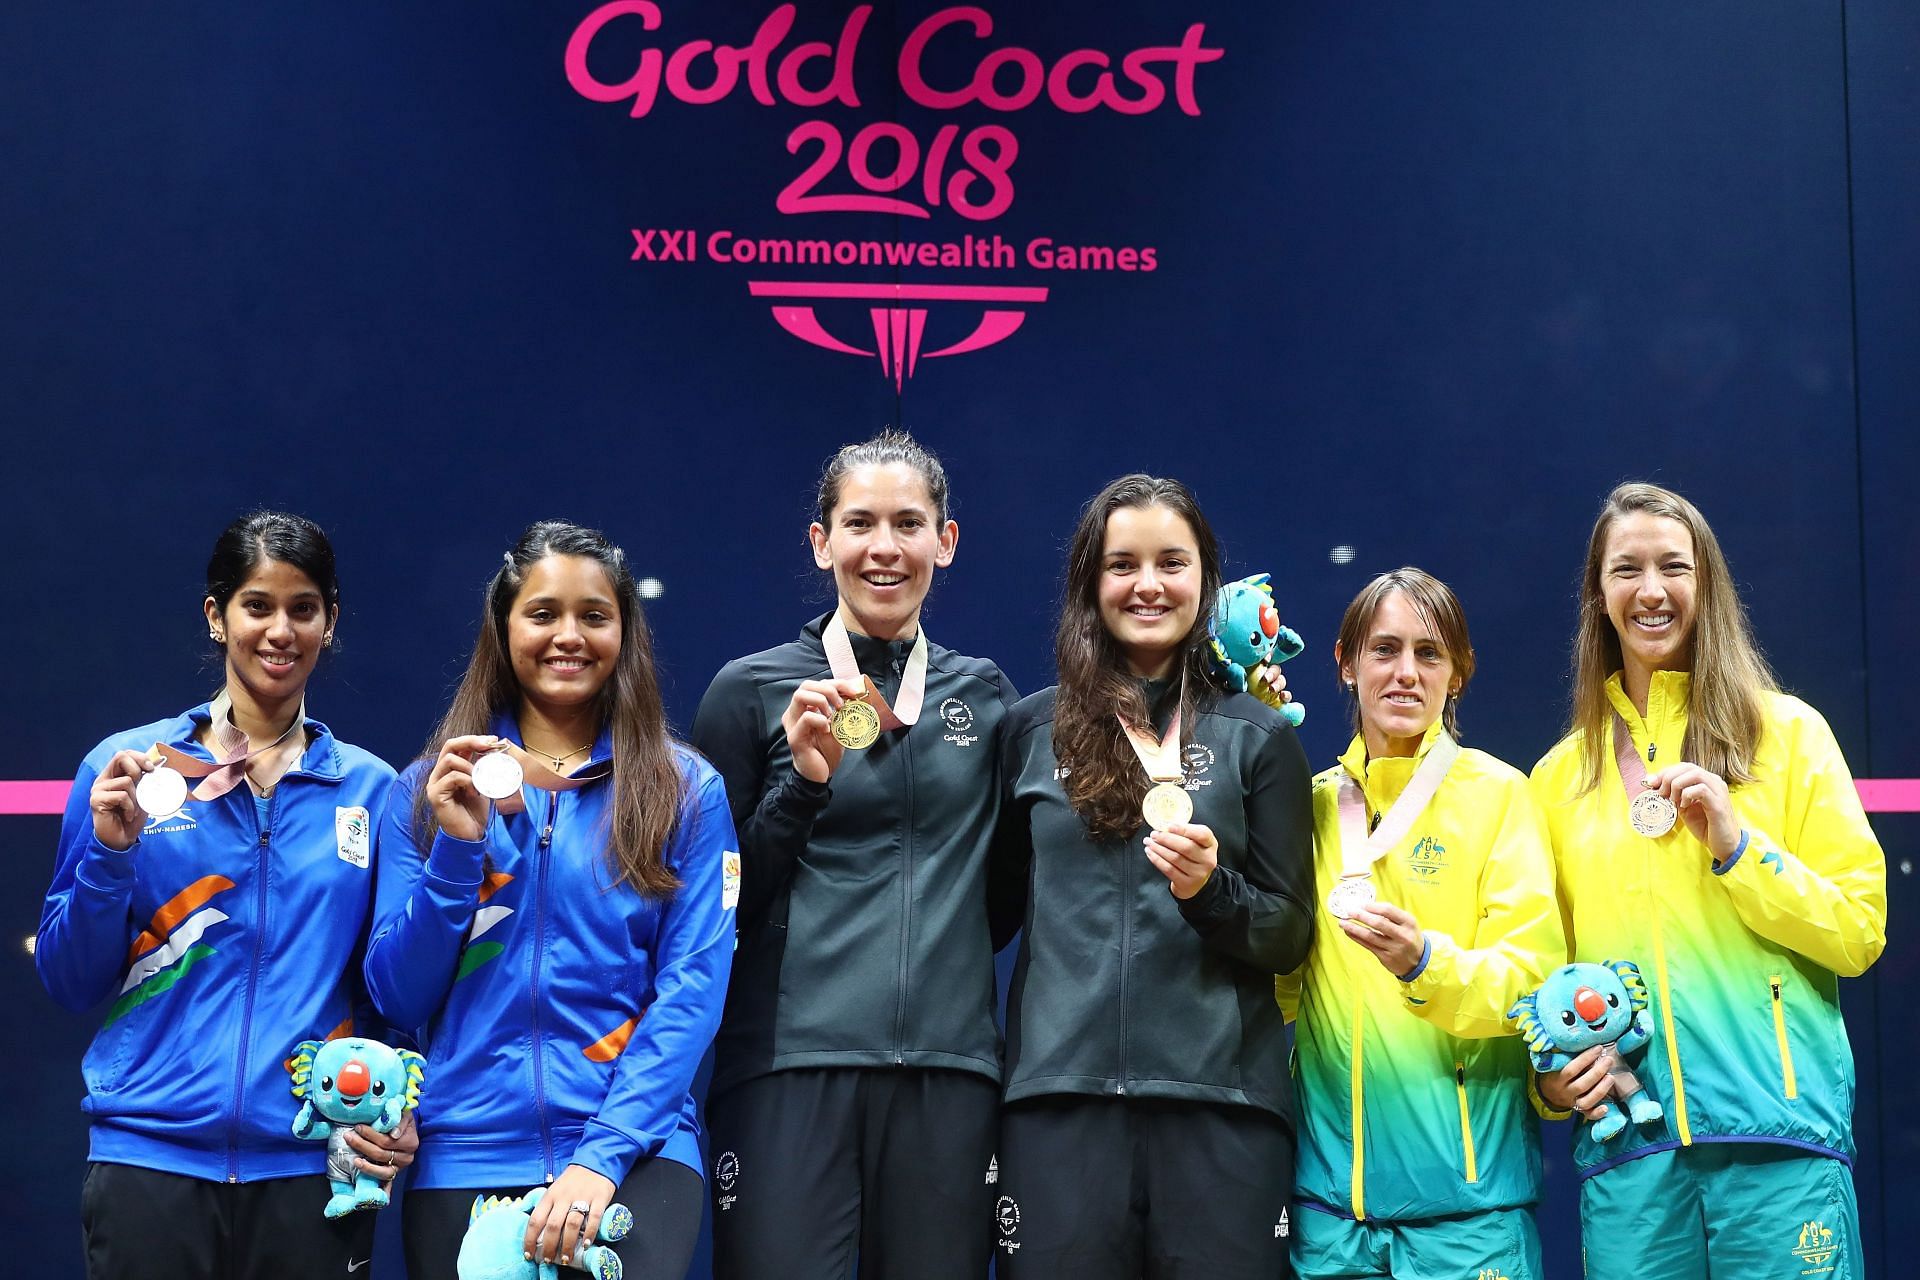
(253, 983)
(533, 988)
(1357, 1089)
(1126, 963)
(906, 906)
(1681, 1127)
(1466, 1123)
(1780, 1034)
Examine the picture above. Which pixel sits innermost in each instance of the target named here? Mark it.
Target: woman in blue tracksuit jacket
(562, 957)
(220, 937)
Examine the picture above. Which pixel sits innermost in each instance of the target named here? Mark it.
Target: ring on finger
(580, 1207)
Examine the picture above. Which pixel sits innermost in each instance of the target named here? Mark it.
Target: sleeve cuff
(455, 861)
(1721, 868)
(1426, 955)
(1208, 905)
(105, 868)
(1540, 1105)
(801, 795)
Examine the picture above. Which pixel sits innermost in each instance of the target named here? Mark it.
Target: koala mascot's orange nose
(355, 1080)
(1586, 1002)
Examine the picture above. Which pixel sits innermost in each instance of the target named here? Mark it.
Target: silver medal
(161, 793)
(1352, 893)
(498, 775)
(1652, 814)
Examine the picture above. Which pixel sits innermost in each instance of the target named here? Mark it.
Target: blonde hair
(1729, 672)
(1437, 607)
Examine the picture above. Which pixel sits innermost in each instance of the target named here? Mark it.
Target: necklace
(559, 762)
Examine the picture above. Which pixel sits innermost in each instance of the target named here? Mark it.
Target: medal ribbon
(1161, 758)
(1633, 770)
(1359, 850)
(232, 751)
(539, 776)
(913, 681)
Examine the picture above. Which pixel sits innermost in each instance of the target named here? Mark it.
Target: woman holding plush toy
(856, 1078)
(213, 884)
(555, 918)
(1706, 827)
(1155, 846)
(1418, 1153)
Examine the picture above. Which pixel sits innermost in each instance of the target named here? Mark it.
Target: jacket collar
(1384, 779)
(875, 657)
(320, 760)
(1666, 720)
(505, 726)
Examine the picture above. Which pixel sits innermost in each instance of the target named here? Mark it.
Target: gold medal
(856, 725)
(1167, 805)
(1652, 814)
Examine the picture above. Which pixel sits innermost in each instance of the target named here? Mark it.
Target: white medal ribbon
(913, 681)
(1359, 849)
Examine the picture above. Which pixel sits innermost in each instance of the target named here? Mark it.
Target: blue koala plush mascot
(347, 1082)
(495, 1243)
(1244, 634)
(1582, 1005)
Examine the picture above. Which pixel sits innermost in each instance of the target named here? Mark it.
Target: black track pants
(1111, 1189)
(141, 1224)
(664, 1195)
(813, 1167)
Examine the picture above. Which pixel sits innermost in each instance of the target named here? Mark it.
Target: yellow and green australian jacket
(1742, 959)
(1412, 1094)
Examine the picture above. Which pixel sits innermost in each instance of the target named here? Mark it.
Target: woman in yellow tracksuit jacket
(1418, 1155)
(1743, 917)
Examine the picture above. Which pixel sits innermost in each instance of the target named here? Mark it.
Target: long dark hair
(272, 535)
(647, 802)
(1104, 781)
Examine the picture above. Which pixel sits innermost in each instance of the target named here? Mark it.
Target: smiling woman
(1706, 826)
(275, 831)
(855, 1086)
(1154, 851)
(605, 881)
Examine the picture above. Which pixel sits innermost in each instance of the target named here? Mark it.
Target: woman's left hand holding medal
(1389, 932)
(1704, 804)
(808, 722)
(1186, 854)
(118, 818)
(458, 806)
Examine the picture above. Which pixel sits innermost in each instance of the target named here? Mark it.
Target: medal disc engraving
(1652, 814)
(1167, 805)
(856, 725)
(498, 775)
(161, 793)
(1349, 895)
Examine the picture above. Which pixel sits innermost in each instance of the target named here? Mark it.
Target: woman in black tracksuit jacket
(856, 1081)
(1148, 1127)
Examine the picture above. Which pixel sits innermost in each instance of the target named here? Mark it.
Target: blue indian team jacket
(563, 1014)
(217, 943)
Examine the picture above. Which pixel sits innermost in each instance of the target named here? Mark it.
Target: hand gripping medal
(859, 722)
(161, 793)
(1648, 812)
(502, 771)
(1167, 805)
(1359, 848)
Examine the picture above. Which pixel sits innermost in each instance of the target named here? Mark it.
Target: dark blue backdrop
(1429, 281)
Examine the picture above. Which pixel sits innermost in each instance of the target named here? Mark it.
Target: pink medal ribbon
(1651, 813)
(229, 768)
(1360, 849)
(1167, 803)
(913, 681)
